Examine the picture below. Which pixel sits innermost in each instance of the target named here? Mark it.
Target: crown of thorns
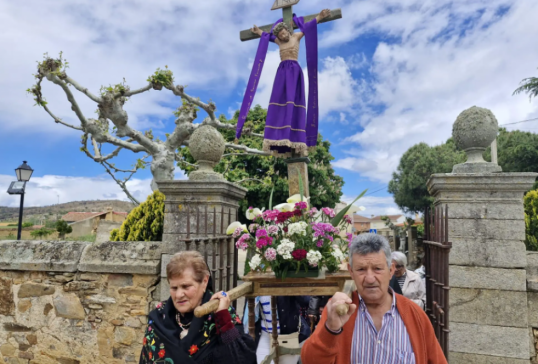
(279, 27)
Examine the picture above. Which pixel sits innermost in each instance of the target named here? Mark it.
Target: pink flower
(270, 215)
(313, 211)
(273, 229)
(347, 219)
(301, 205)
(319, 244)
(270, 254)
(328, 211)
(264, 241)
(349, 237)
(253, 227)
(237, 232)
(242, 242)
(261, 233)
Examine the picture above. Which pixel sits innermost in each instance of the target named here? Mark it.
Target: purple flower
(270, 254)
(349, 237)
(270, 215)
(319, 244)
(261, 232)
(301, 205)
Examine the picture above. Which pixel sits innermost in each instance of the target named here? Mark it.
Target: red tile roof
(391, 217)
(359, 218)
(78, 216)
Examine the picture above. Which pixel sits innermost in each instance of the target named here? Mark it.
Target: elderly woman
(409, 281)
(175, 336)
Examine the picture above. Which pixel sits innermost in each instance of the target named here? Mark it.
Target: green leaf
(168, 360)
(338, 218)
(271, 198)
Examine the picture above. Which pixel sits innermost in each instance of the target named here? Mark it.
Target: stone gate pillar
(488, 300)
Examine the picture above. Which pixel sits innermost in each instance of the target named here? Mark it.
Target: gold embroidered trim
(289, 102)
(284, 127)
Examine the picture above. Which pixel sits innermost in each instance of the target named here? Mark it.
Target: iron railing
(218, 249)
(436, 254)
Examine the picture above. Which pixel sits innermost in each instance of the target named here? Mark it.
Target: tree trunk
(162, 167)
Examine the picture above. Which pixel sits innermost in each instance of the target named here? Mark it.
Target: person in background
(409, 281)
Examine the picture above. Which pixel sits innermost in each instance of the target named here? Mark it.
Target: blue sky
(392, 73)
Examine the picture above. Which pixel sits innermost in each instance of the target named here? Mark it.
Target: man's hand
(324, 14)
(256, 30)
(334, 321)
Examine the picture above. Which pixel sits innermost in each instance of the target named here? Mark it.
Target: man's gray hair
(399, 258)
(369, 243)
(279, 27)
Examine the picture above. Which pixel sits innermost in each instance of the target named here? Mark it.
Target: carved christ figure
(288, 128)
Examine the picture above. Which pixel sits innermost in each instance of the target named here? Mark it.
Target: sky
(392, 73)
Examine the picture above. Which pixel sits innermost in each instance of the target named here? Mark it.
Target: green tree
(260, 173)
(530, 203)
(418, 163)
(41, 233)
(144, 223)
(528, 86)
(63, 228)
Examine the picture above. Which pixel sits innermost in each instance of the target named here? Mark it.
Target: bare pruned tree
(160, 155)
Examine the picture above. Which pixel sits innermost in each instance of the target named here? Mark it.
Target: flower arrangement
(293, 237)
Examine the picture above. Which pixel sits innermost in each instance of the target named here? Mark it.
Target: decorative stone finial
(207, 147)
(473, 131)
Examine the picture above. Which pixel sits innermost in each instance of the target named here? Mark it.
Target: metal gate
(436, 254)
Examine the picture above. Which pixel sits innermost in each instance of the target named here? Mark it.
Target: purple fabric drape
(310, 31)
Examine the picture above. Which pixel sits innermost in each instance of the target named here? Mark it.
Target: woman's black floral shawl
(161, 343)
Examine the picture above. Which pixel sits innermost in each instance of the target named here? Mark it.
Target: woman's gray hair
(279, 27)
(399, 258)
(369, 243)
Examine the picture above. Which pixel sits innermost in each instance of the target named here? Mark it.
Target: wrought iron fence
(436, 254)
(217, 248)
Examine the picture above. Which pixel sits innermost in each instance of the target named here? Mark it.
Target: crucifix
(291, 125)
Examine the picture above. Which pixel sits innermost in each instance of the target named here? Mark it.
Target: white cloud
(446, 56)
(375, 205)
(43, 191)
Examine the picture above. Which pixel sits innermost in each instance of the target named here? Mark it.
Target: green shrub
(41, 233)
(27, 224)
(63, 228)
(144, 223)
(530, 203)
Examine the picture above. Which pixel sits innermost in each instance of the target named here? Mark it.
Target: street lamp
(24, 172)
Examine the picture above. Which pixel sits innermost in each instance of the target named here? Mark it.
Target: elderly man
(409, 281)
(381, 327)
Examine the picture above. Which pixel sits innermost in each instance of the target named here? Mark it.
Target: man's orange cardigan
(325, 348)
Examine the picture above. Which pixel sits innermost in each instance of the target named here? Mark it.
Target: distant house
(361, 223)
(377, 223)
(86, 223)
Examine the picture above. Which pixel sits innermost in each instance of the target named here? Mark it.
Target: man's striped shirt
(391, 345)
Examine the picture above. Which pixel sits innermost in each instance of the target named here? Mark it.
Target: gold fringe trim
(284, 127)
(300, 149)
(286, 104)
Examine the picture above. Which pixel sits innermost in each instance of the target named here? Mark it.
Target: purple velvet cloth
(287, 116)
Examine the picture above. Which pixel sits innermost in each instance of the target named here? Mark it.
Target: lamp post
(24, 172)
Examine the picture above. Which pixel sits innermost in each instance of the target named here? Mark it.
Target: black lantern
(24, 172)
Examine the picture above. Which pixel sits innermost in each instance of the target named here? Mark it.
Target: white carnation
(285, 248)
(313, 257)
(337, 253)
(255, 262)
(297, 228)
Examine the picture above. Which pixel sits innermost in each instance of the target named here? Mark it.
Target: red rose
(161, 354)
(299, 254)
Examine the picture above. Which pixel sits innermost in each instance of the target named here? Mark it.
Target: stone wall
(532, 298)
(75, 302)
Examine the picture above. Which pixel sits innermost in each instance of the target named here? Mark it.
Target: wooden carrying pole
(233, 294)
(349, 287)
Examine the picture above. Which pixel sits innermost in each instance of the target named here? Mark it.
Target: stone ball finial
(207, 147)
(473, 131)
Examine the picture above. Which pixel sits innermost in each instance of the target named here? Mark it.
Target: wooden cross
(297, 166)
